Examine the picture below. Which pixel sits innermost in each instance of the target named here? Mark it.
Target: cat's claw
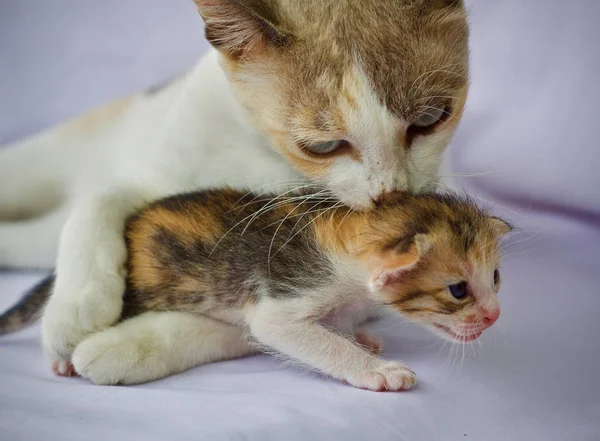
(64, 369)
(389, 376)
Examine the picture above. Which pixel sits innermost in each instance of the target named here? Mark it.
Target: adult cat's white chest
(206, 140)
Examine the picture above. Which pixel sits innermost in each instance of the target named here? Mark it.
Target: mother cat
(359, 96)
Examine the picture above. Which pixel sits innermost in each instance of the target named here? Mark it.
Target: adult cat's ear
(237, 27)
(394, 262)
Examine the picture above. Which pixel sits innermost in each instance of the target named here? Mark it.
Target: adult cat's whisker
(279, 196)
(346, 216)
(305, 214)
(432, 97)
(277, 230)
(251, 217)
(428, 74)
(265, 188)
(443, 111)
(470, 175)
(271, 206)
(281, 199)
(295, 216)
(333, 207)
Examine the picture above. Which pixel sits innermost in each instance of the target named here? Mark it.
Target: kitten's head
(361, 96)
(435, 259)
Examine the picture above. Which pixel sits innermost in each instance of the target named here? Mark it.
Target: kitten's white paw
(388, 376)
(72, 316)
(110, 357)
(369, 342)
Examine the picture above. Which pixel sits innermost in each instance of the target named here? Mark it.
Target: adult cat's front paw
(71, 317)
(387, 376)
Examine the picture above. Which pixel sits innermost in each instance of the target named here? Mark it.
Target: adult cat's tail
(29, 309)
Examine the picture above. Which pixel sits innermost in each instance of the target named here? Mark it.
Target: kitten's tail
(29, 309)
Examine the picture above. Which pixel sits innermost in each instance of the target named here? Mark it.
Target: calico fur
(296, 275)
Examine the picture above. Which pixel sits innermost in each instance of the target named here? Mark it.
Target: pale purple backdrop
(530, 129)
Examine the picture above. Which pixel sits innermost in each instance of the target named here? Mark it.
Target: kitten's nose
(490, 316)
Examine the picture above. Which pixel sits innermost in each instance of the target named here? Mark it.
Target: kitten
(296, 275)
(358, 96)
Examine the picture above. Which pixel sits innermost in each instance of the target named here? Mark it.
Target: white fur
(307, 340)
(154, 345)
(191, 135)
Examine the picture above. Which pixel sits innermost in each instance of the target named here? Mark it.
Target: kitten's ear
(500, 226)
(392, 264)
(236, 27)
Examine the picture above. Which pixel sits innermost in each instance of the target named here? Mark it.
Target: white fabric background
(531, 119)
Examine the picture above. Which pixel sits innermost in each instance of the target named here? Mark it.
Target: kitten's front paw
(111, 357)
(71, 317)
(366, 340)
(388, 376)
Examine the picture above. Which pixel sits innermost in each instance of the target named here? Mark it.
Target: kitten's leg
(369, 342)
(278, 326)
(154, 345)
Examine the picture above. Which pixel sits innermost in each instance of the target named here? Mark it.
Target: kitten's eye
(429, 119)
(496, 277)
(459, 290)
(322, 148)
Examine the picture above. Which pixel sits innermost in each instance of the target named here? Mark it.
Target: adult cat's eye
(496, 277)
(459, 290)
(322, 148)
(429, 119)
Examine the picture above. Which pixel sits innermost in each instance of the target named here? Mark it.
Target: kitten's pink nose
(490, 316)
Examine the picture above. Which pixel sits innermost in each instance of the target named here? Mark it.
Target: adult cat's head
(361, 96)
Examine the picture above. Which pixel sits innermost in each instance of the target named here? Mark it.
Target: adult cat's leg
(154, 345)
(90, 268)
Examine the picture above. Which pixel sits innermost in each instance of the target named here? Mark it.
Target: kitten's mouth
(462, 338)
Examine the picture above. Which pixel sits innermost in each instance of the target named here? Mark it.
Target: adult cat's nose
(385, 197)
(490, 316)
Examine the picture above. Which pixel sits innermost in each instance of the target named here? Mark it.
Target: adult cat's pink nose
(490, 316)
